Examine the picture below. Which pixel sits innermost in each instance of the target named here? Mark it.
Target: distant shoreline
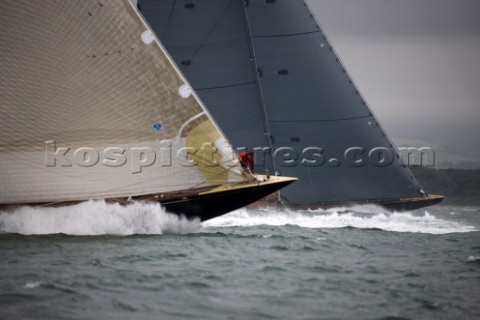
(461, 187)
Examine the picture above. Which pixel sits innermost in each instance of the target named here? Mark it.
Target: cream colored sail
(93, 107)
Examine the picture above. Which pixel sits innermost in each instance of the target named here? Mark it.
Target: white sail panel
(90, 110)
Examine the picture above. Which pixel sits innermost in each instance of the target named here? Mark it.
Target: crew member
(246, 160)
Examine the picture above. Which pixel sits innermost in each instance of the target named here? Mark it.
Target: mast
(320, 127)
(312, 103)
(257, 72)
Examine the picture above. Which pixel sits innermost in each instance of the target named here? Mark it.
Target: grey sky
(417, 62)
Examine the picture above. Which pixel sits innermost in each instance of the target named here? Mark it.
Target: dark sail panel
(210, 43)
(238, 111)
(343, 169)
(270, 78)
(314, 108)
(299, 73)
(268, 18)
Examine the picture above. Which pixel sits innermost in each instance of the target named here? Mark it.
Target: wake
(363, 217)
(95, 218)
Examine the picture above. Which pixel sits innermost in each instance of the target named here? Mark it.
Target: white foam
(32, 285)
(364, 217)
(473, 259)
(95, 218)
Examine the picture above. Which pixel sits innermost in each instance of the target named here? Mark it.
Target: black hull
(201, 203)
(406, 204)
(209, 206)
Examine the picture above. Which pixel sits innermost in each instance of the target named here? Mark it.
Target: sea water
(98, 260)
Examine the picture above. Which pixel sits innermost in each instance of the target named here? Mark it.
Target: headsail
(320, 127)
(93, 107)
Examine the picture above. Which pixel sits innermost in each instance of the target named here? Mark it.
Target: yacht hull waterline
(405, 204)
(202, 204)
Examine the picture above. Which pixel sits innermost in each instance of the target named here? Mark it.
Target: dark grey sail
(271, 79)
(210, 43)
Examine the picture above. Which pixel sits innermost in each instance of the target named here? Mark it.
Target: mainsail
(93, 107)
(271, 79)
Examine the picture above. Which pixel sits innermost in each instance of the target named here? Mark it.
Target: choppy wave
(473, 259)
(95, 218)
(101, 218)
(32, 285)
(364, 217)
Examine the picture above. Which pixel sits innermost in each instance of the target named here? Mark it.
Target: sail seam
(168, 20)
(322, 120)
(285, 35)
(227, 86)
(211, 30)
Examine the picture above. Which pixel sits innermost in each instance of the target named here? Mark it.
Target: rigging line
(228, 170)
(285, 35)
(227, 86)
(168, 20)
(127, 186)
(322, 120)
(211, 30)
(255, 68)
(180, 172)
(186, 123)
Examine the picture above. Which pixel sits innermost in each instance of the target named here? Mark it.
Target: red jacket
(245, 161)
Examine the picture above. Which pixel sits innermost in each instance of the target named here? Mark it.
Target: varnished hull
(404, 204)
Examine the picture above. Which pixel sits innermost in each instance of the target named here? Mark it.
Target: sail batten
(320, 120)
(285, 35)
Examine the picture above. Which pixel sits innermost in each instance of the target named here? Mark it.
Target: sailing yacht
(93, 107)
(269, 76)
